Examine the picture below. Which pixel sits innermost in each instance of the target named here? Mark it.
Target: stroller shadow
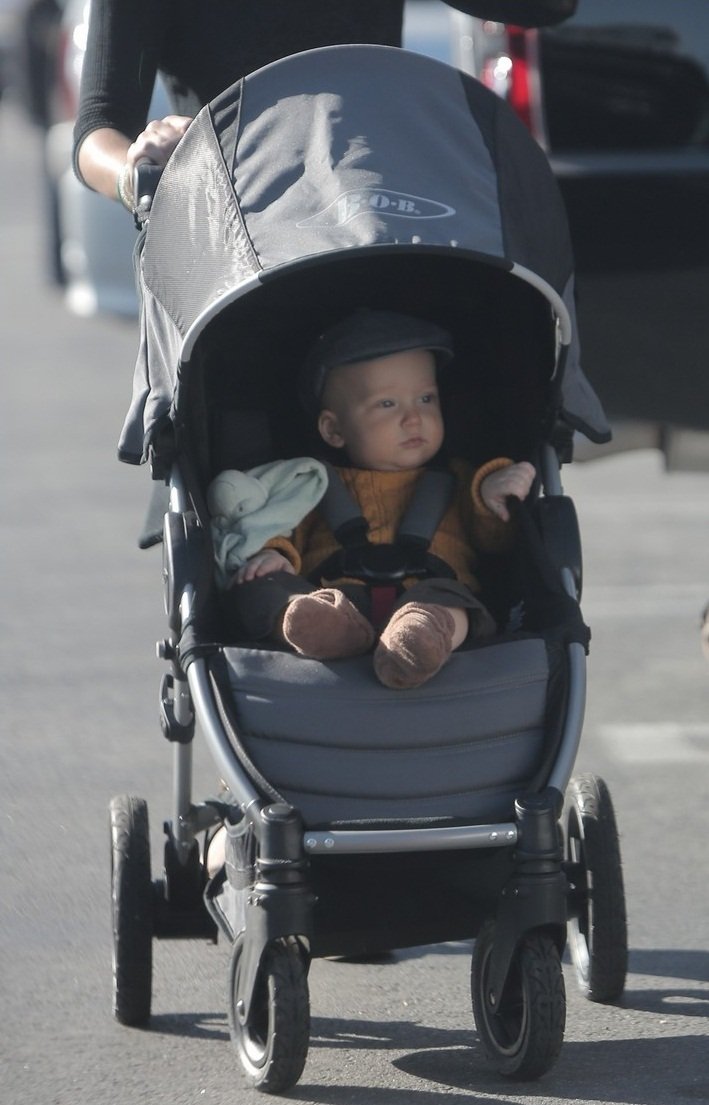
(673, 1068)
(384, 1035)
(451, 1067)
(691, 966)
(196, 1026)
(453, 1059)
(456, 1063)
(459, 947)
(671, 963)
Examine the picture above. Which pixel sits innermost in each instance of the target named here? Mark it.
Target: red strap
(383, 599)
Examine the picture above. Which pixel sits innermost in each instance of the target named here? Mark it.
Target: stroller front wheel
(272, 1043)
(132, 908)
(522, 1037)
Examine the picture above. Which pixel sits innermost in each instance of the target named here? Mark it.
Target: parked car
(619, 97)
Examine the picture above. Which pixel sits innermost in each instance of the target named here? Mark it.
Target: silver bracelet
(124, 188)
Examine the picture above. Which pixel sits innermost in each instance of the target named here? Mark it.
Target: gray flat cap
(362, 336)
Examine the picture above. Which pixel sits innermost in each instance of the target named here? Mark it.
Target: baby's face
(384, 412)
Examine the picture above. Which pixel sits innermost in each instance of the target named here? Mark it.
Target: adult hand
(515, 479)
(157, 142)
(263, 563)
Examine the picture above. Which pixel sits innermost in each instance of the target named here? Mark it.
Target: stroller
(344, 177)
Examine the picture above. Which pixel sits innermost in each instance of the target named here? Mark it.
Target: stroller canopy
(309, 179)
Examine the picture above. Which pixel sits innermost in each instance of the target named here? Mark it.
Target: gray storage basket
(341, 747)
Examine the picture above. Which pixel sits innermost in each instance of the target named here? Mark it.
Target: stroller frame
(537, 893)
(553, 867)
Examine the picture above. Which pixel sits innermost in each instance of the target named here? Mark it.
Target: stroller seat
(341, 748)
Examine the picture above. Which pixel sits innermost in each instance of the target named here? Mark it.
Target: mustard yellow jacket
(383, 497)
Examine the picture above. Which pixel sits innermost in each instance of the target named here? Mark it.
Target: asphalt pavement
(81, 610)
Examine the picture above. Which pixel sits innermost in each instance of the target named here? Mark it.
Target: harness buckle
(384, 563)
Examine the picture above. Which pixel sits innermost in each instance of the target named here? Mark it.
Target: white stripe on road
(660, 742)
(683, 602)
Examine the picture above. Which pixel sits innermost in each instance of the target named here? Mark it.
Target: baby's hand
(263, 563)
(515, 479)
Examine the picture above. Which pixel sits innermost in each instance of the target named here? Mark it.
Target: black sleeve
(524, 13)
(118, 75)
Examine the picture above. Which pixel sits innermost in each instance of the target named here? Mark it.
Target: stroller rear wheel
(522, 1037)
(272, 1043)
(598, 937)
(132, 906)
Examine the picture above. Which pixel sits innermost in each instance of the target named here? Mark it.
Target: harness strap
(380, 564)
(429, 502)
(341, 511)
(382, 603)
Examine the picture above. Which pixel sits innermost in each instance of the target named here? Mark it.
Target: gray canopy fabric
(332, 158)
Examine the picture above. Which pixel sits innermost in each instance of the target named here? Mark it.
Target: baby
(372, 380)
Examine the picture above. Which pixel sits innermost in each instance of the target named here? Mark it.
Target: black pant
(252, 609)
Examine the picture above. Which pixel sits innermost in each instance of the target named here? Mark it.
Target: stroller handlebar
(145, 181)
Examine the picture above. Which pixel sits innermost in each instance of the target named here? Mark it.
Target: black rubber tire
(598, 931)
(132, 907)
(523, 1037)
(273, 1045)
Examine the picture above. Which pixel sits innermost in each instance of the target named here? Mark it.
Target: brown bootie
(324, 625)
(414, 646)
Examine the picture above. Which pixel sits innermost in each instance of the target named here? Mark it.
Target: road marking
(659, 742)
(683, 602)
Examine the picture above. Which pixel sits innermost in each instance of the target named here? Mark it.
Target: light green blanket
(249, 508)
